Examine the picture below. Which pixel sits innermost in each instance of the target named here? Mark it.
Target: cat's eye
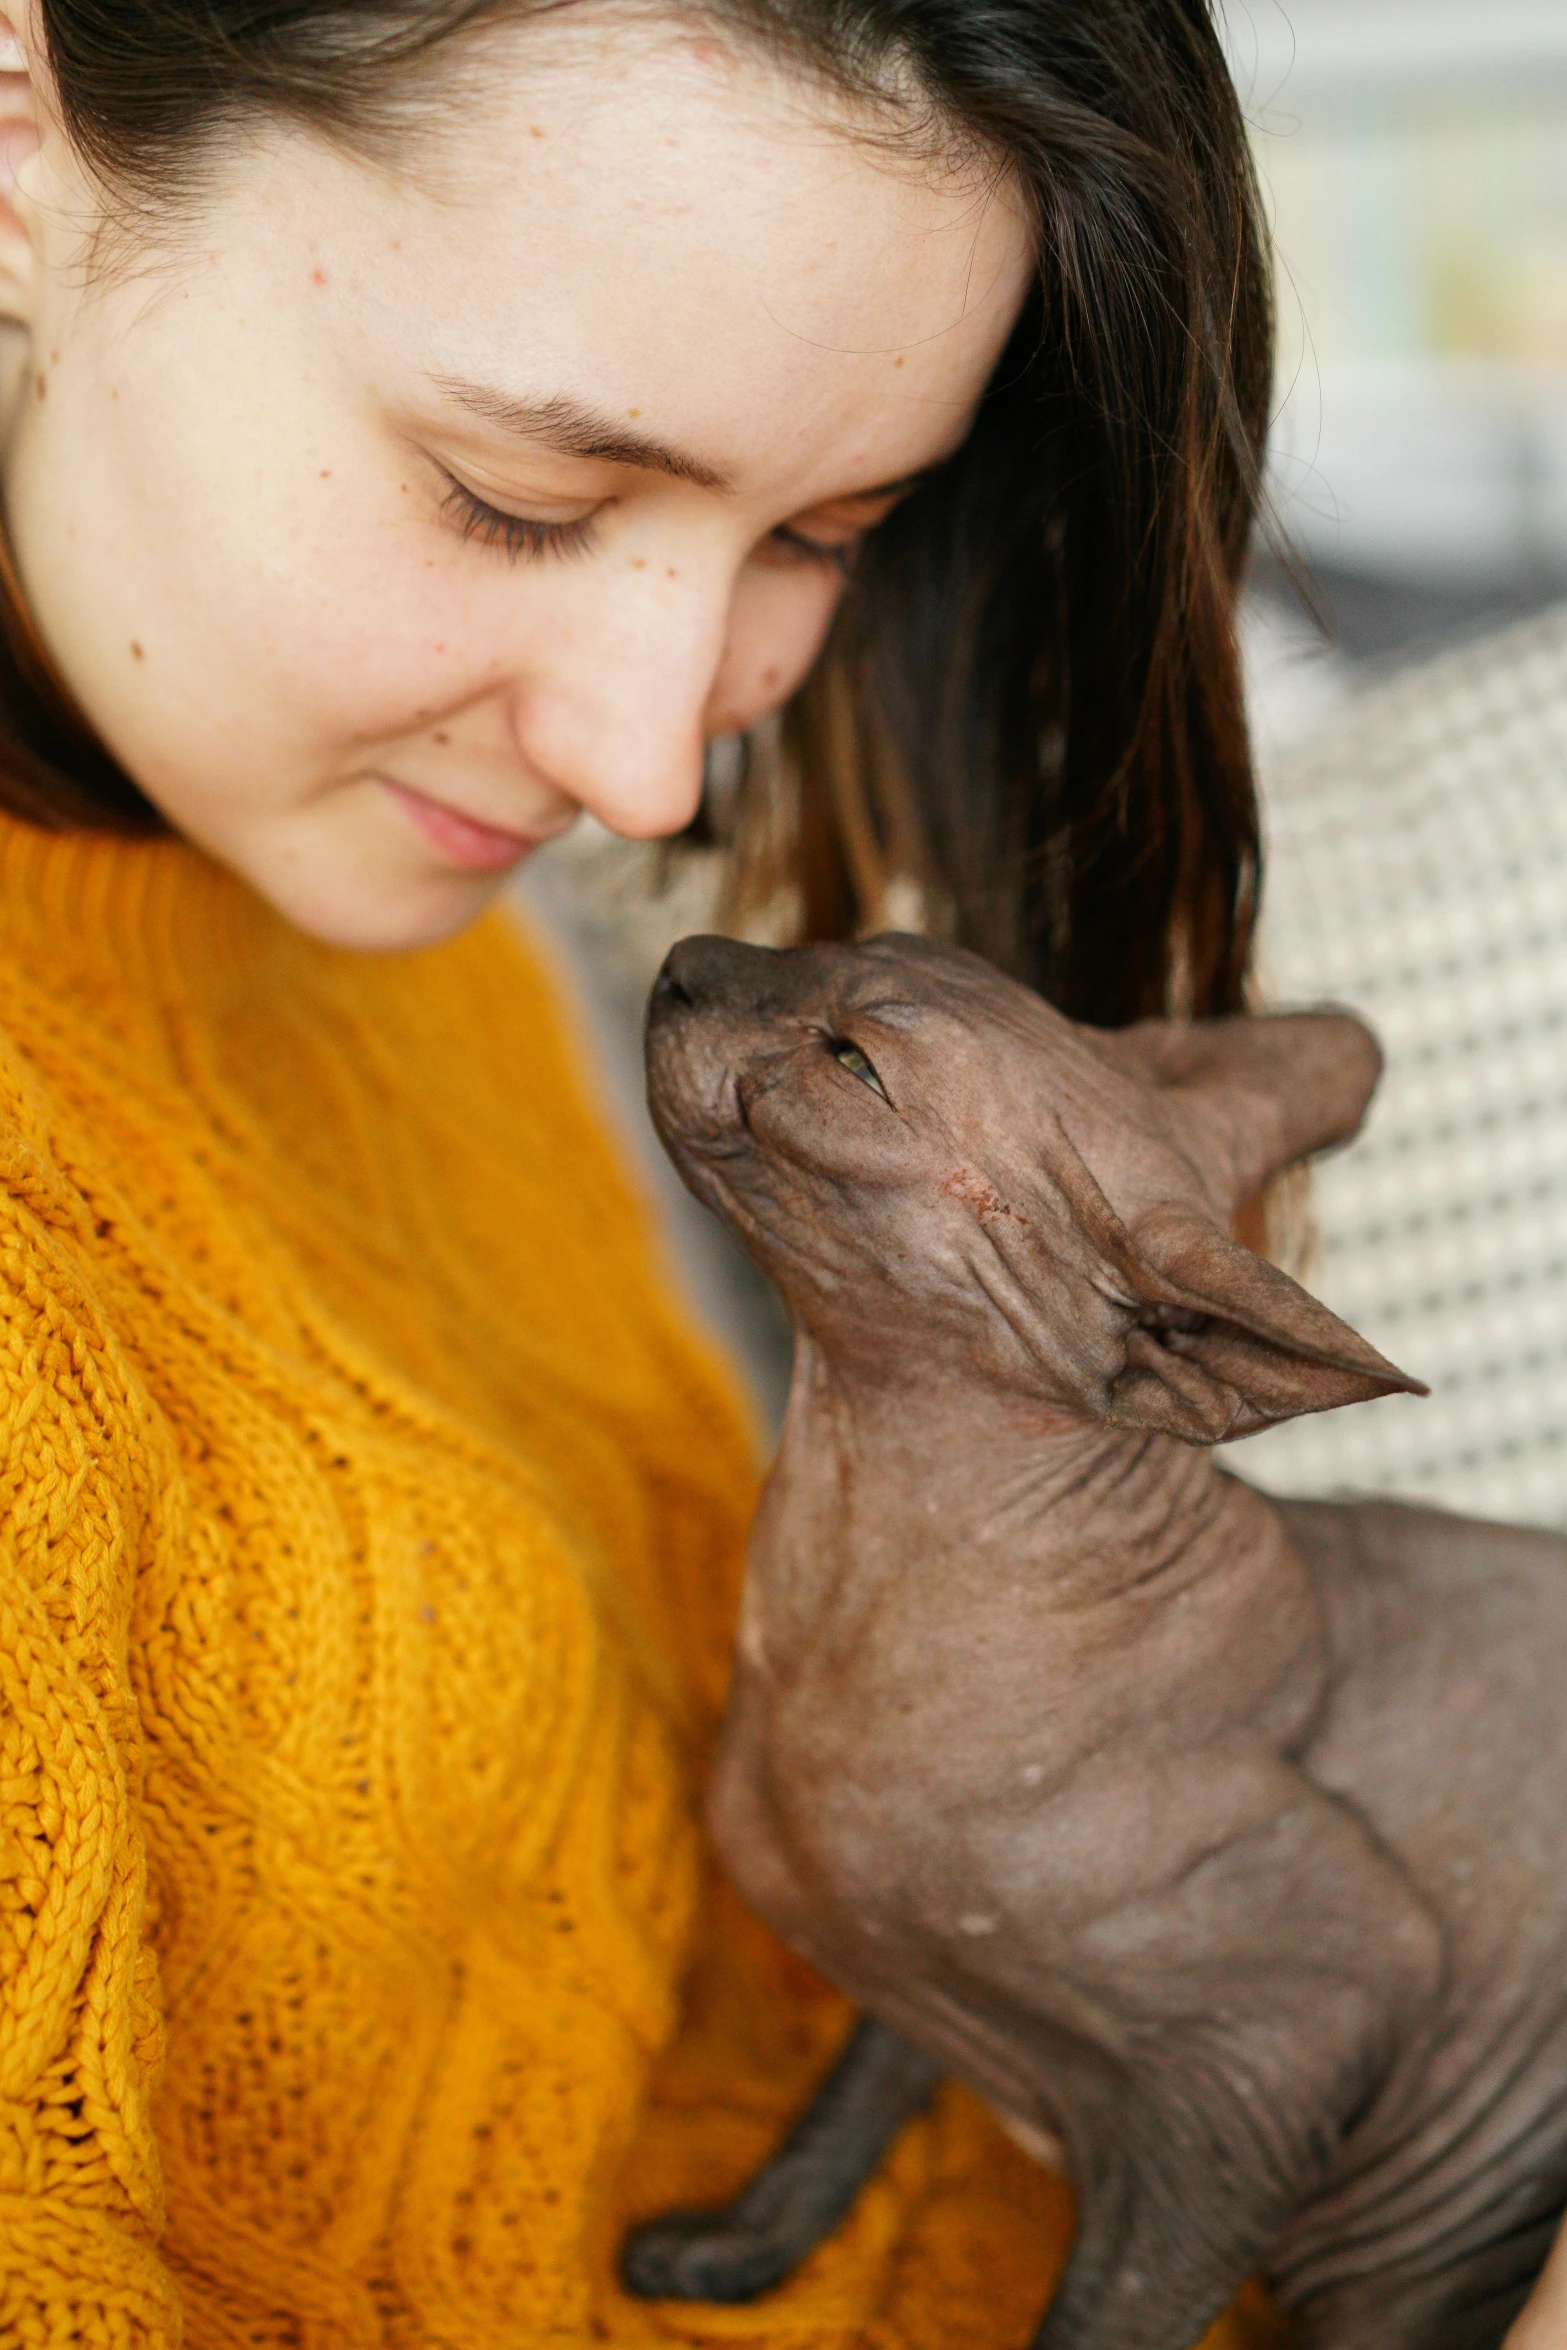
(850, 1057)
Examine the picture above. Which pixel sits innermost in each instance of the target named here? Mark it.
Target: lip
(461, 840)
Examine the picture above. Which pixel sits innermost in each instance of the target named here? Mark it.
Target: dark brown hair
(1030, 706)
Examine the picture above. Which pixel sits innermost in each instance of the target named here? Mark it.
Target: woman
(426, 421)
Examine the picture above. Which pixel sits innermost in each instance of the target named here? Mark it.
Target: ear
(1250, 1096)
(21, 121)
(1226, 1344)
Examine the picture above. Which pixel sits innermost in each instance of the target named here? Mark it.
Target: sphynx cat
(1219, 1842)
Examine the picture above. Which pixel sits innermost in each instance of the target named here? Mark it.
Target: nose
(704, 973)
(667, 989)
(616, 717)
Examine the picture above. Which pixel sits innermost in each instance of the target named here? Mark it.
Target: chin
(394, 918)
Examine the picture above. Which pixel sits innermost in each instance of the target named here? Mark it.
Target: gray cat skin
(1219, 1842)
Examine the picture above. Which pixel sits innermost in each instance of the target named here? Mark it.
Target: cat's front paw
(703, 2256)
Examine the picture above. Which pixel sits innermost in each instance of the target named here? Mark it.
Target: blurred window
(1414, 154)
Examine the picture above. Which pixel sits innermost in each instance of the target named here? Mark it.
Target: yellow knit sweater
(369, 1534)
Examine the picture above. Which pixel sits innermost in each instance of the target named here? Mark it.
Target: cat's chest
(889, 1890)
(879, 1800)
(917, 1661)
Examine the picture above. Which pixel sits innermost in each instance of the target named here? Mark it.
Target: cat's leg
(1462, 2318)
(1166, 2236)
(1459, 2290)
(800, 2195)
(1263, 1997)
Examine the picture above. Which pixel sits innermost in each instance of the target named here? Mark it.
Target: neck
(938, 1552)
(899, 1471)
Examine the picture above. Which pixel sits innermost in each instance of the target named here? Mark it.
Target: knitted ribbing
(370, 1539)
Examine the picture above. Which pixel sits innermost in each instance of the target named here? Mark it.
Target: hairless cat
(1219, 1842)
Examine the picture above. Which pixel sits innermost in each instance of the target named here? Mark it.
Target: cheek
(264, 618)
(778, 623)
(271, 630)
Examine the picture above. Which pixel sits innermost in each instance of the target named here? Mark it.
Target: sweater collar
(150, 916)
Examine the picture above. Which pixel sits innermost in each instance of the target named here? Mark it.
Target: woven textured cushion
(1418, 873)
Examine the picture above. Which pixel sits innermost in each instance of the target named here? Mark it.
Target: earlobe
(1227, 1344)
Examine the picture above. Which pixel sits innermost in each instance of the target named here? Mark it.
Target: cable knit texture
(369, 1540)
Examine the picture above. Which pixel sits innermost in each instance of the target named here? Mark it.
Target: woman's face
(385, 523)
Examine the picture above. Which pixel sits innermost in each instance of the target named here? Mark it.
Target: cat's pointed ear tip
(1359, 1361)
(1247, 1347)
(1376, 1368)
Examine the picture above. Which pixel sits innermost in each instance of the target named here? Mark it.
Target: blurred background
(1413, 155)
(1412, 752)
(1413, 765)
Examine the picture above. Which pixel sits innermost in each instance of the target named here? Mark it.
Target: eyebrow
(577, 430)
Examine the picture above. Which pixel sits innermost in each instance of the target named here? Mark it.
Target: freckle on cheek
(639, 563)
(137, 653)
(326, 473)
(441, 735)
(536, 130)
(898, 362)
(41, 385)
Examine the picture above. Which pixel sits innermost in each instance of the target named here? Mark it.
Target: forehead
(698, 238)
(912, 982)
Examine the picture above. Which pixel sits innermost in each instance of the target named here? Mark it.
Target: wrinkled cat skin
(1219, 1842)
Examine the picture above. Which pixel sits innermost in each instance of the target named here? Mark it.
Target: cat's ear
(1225, 1344)
(1247, 1097)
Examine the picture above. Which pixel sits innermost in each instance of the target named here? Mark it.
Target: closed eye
(520, 537)
(850, 1057)
(809, 550)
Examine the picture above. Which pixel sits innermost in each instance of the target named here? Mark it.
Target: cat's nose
(668, 989)
(707, 972)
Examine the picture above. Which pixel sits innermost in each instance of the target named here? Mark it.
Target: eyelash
(522, 539)
(840, 558)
